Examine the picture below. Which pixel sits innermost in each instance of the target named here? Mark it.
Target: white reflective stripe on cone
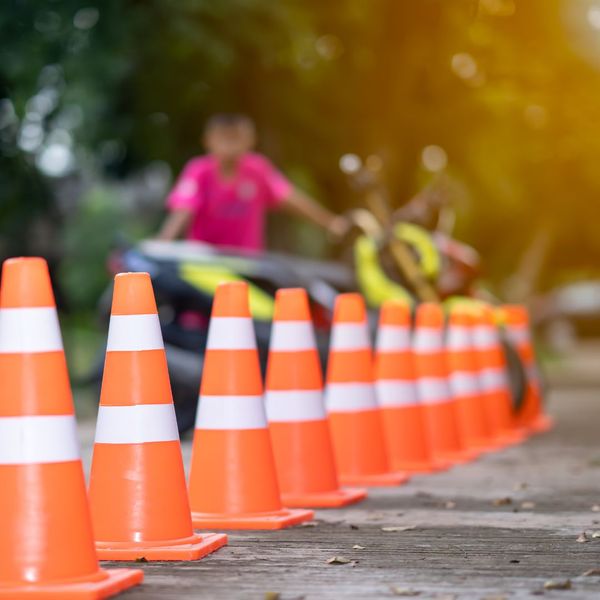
(458, 338)
(34, 440)
(231, 412)
(433, 390)
(393, 338)
(285, 406)
(29, 330)
(231, 333)
(485, 337)
(463, 383)
(350, 397)
(518, 334)
(350, 336)
(132, 333)
(292, 335)
(137, 424)
(396, 392)
(428, 340)
(493, 380)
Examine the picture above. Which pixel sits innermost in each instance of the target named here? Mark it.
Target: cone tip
(429, 314)
(350, 308)
(133, 295)
(394, 312)
(26, 283)
(460, 315)
(291, 304)
(514, 314)
(231, 300)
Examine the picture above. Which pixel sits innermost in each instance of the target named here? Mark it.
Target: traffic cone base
(194, 547)
(542, 423)
(346, 428)
(407, 445)
(316, 484)
(109, 583)
(334, 499)
(438, 415)
(253, 448)
(279, 520)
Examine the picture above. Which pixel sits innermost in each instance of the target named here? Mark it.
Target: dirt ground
(499, 528)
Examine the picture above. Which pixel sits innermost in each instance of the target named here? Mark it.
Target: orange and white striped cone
(138, 494)
(431, 368)
(296, 410)
(354, 415)
(46, 541)
(516, 322)
(463, 365)
(233, 479)
(493, 378)
(396, 387)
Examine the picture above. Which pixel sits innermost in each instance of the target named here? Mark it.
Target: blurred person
(222, 198)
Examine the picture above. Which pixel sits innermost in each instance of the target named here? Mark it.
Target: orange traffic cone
(464, 381)
(433, 386)
(396, 386)
(233, 480)
(46, 542)
(516, 321)
(138, 494)
(296, 412)
(493, 379)
(354, 416)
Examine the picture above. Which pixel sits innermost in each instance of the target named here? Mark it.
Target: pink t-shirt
(229, 212)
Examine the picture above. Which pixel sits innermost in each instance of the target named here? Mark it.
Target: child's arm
(302, 204)
(175, 225)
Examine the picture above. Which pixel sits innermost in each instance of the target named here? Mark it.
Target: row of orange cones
(442, 401)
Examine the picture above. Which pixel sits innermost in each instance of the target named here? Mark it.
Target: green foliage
(507, 89)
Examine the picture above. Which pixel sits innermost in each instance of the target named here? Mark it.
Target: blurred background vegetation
(101, 103)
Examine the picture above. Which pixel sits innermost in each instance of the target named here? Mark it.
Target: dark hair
(229, 120)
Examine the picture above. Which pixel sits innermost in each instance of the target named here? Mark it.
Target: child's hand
(339, 226)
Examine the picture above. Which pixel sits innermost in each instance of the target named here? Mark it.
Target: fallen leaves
(502, 501)
(591, 572)
(395, 529)
(358, 547)
(338, 560)
(272, 596)
(527, 505)
(401, 591)
(559, 584)
(583, 538)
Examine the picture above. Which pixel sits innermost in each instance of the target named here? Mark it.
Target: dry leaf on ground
(591, 572)
(562, 584)
(338, 560)
(502, 501)
(527, 505)
(358, 547)
(583, 538)
(398, 528)
(400, 591)
(272, 596)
